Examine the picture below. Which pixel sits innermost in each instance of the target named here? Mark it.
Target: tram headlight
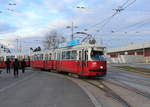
(101, 67)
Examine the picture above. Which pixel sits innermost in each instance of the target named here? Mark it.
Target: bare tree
(53, 39)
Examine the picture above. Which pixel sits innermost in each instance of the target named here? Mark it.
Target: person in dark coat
(16, 67)
(8, 63)
(23, 65)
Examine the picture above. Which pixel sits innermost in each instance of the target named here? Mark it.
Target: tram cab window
(97, 55)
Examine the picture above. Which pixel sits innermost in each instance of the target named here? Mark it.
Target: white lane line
(13, 84)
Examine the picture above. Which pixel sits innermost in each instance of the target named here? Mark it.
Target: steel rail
(123, 85)
(109, 92)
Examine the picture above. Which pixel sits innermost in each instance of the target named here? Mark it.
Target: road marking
(13, 84)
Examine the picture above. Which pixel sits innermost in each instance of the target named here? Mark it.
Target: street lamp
(80, 7)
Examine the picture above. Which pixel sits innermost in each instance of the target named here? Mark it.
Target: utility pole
(20, 50)
(17, 44)
(72, 30)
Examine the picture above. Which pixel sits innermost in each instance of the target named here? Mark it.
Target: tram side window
(20, 57)
(86, 55)
(27, 58)
(1, 59)
(73, 55)
(63, 55)
(67, 54)
(41, 56)
(58, 56)
(80, 56)
(7, 57)
(50, 56)
(32, 57)
(12, 57)
(35, 57)
(54, 56)
(46, 57)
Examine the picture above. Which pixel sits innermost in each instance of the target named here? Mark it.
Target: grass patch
(129, 68)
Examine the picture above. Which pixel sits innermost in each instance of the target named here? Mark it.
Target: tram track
(125, 86)
(108, 92)
(133, 79)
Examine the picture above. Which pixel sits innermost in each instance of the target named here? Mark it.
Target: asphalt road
(40, 89)
(133, 79)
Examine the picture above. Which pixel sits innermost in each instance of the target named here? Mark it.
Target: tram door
(58, 62)
(83, 61)
(46, 62)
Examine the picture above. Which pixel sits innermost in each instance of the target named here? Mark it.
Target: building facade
(132, 53)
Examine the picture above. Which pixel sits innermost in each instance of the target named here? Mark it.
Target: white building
(132, 53)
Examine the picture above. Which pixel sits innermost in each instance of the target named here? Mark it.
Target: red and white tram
(19, 56)
(84, 60)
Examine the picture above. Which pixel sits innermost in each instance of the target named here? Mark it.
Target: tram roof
(80, 46)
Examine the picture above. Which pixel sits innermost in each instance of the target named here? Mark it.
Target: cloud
(5, 28)
(32, 18)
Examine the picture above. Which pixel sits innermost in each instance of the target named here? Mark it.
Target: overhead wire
(117, 11)
(125, 3)
(135, 25)
(129, 4)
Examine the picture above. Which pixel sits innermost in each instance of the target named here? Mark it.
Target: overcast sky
(30, 19)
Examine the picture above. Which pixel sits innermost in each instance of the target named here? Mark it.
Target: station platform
(40, 89)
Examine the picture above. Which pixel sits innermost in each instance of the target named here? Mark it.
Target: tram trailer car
(19, 56)
(83, 60)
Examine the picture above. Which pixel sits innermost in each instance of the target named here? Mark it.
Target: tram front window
(98, 55)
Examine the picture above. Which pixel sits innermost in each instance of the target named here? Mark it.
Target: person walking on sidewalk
(16, 67)
(23, 65)
(8, 63)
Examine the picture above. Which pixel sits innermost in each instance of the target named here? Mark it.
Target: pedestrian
(16, 67)
(23, 65)
(0, 71)
(8, 63)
